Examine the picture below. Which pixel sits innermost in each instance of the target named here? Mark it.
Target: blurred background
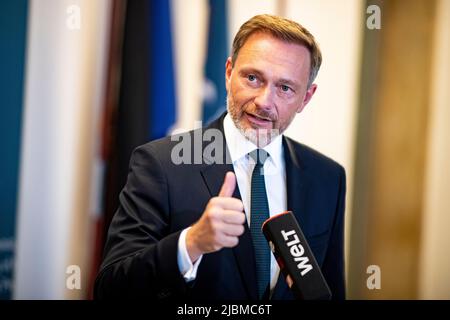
(84, 82)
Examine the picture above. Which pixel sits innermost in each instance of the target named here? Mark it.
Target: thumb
(228, 186)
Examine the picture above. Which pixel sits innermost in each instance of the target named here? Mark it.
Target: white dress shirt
(275, 180)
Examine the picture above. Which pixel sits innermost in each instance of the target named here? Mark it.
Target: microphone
(295, 258)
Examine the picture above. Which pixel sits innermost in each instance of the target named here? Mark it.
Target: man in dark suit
(187, 225)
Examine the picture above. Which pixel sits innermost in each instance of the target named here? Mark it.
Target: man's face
(267, 85)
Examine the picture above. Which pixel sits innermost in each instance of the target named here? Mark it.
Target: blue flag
(162, 76)
(214, 92)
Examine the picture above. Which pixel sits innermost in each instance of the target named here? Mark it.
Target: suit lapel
(213, 176)
(296, 182)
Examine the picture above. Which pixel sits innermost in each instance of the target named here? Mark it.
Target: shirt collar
(240, 147)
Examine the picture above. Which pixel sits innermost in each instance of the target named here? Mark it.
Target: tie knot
(259, 156)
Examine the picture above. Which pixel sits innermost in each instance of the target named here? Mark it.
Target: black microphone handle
(295, 258)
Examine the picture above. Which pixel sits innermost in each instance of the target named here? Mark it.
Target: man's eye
(285, 88)
(251, 77)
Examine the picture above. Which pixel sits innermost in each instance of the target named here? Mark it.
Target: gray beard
(259, 137)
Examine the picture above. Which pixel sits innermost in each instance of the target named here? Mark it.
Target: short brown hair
(283, 29)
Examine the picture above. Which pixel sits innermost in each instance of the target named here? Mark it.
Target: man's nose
(265, 97)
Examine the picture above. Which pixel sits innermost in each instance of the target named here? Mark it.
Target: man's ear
(228, 70)
(308, 95)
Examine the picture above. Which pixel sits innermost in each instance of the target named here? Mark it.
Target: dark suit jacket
(160, 199)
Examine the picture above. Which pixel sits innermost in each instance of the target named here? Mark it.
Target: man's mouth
(258, 120)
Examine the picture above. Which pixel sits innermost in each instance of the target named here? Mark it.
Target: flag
(214, 92)
(128, 125)
(162, 72)
(146, 108)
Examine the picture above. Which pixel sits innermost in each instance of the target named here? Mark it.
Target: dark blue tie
(259, 212)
